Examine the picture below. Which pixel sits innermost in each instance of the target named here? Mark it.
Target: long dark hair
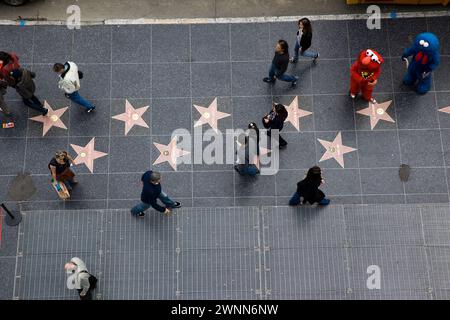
(284, 45)
(306, 25)
(281, 111)
(314, 174)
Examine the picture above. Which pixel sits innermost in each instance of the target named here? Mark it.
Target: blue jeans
(249, 169)
(295, 200)
(75, 97)
(309, 54)
(273, 71)
(142, 206)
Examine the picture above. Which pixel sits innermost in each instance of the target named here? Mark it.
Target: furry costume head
(369, 61)
(427, 42)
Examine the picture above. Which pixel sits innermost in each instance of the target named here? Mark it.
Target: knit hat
(16, 74)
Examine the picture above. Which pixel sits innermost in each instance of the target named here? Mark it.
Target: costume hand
(406, 62)
(372, 83)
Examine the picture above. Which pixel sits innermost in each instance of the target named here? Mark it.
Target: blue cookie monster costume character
(425, 52)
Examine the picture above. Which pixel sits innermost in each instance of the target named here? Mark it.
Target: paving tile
(247, 79)
(46, 82)
(437, 25)
(435, 224)
(441, 75)
(348, 139)
(286, 31)
(421, 148)
(9, 234)
(363, 122)
(123, 204)
(416, 112)
(100, 164)
(213, 202)
(401, 37)
(328, 39)
(341, 182)
(40, 151)
(129, 154)
(170, 43)
(96, 81)
(333, 113)
(426, 180)
(250, 109)
(125, 186)
(35, 128)
(131, 43)
(439, 261)
(299, 153)
(12, 152)
(286, 181)
(131, 81)
(44, 189)
(18, 40)
(171, 80)
(381, 181)
(335, 199)
(427, 198)
(177, 184)
(52, 44)
(445, 134)
(118, 126)
(20, 117)
(443, 101)
(378, 149)
(218, 152)
(90, 124)
(210, 42)
(92, 44)
(7, 273)
(90, 186)
(82, 204)
(255, 186)
(213, 184)
(54, 204)
(360, 37)
(211, 79)
(255, 201)
(223, 105)
(169, 115)
(301, 69)
(251, 42)
(325, 70)
(398, 72)
(384, 199)
(184, 163)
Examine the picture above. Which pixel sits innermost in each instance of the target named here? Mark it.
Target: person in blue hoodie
(151, 192)
(425, 59)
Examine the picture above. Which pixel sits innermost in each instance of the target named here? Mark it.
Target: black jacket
(309, 190)
(281, 62)
(305, 41)
(25, 86)
(151, 192)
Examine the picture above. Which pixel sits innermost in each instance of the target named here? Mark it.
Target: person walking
(80, 278)
(22, 81)
(308, 189)
(303, 41)
(69, 82)
(280, 64)
(8, 63)
(151, 191)
(59, 167)
(247, 151)
(275, 121)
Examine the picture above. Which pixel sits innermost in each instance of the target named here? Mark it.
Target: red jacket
(10, 66)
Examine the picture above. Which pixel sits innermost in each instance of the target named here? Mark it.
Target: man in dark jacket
(25, 87)
(275, 121)
(280, 64)
(151, 191)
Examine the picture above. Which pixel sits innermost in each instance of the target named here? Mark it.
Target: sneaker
(294, 83)
(90, 109)
(353, 96)
(317, 57)
(292, 60)
(373, 100)
(266, 79)
(177, 204)
(45, 112)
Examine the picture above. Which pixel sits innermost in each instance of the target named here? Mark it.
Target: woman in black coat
(309, 190)
(275, 120)
(303, 41)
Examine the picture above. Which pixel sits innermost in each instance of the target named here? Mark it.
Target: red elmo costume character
(364, 74)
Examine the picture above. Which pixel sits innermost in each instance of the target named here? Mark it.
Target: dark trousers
(34, 103)
(281, 141)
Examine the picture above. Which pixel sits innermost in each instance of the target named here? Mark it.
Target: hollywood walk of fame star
(169, 153)
(295, 113)
(335, 149)
(445, 110)
(377, 112)
(132, 117)
(210, 115)
(52, 119)
(87, 154)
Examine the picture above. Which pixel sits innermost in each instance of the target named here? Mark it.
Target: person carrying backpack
(275, 121)
(80, 278)
(69, 82)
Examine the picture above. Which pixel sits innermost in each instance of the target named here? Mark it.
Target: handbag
(66, 175)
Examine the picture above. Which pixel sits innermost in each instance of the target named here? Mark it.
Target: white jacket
(81, 278)
(70, 82)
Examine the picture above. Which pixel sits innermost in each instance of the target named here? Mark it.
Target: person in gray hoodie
(69, 82)
(25, 87)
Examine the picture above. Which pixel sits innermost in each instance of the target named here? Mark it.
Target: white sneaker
(352, 96)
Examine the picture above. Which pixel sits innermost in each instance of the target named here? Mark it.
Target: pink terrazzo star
(132, 117)
(295, 113)
(445, 110)
(52, 119)
(256, 159)
(169, 153)
(210, 115)
(87, 154)
(335, 149)
(377, 112)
